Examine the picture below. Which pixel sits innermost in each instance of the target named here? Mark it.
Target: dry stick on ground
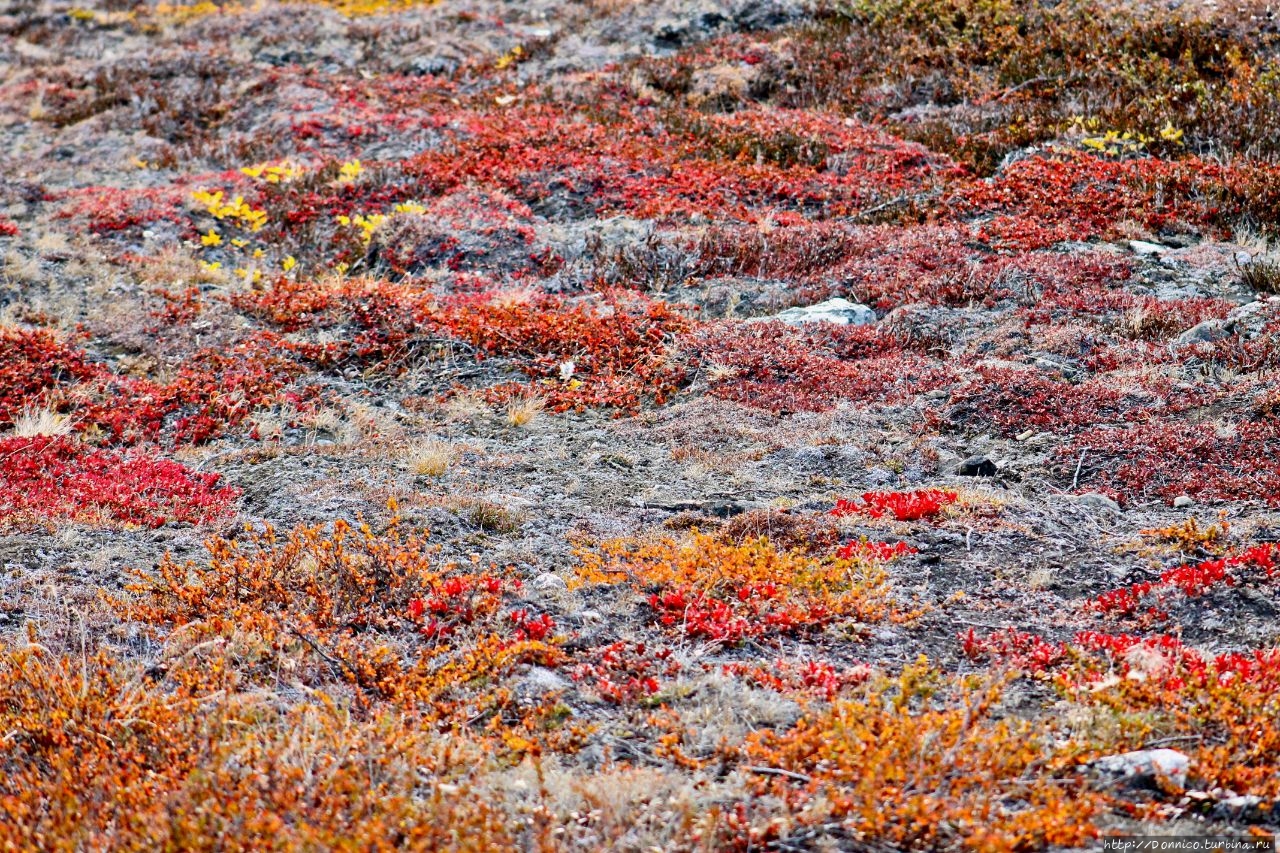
(777, 771)
(1076, 479)
(340, 667)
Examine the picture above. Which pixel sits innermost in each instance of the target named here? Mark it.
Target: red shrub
(812, 678)
(882, 551)
(1016, 648)
(904, 506)
(624, 672)
(771, 366)
(608, 349)
(1048, 199)
(210, 392)
(1190, 579)
(44, 479)
(1239, 461)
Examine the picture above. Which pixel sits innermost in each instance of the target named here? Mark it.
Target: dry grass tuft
(524, 411)
(41, 421)
(494, 518)
(1261, 273)
(431, 458)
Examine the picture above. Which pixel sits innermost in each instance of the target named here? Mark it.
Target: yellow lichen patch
(182, 13)
(367, 224)
(273, 173)
(349, 171)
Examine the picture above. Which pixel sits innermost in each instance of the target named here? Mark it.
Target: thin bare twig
(1076, 478)
(778, 771)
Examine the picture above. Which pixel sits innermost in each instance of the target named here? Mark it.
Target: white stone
(1147, 764)
(1094, 499)
(839, 311)
(1142, 247)
(1202, 333)
(539, 681)
(549, 583)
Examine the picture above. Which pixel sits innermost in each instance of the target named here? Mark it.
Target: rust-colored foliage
(375, 611)
(1220, 709)
(406, 234)
(920, 761)
(99, 754)
(775, 367)
(791, 530)
(706, 587)
(208, 394)
(608, 349)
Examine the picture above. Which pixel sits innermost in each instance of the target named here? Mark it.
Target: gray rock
(539, 681)
(1243, 807)
(1203, 333)
(1143, 766)
(1251, 319)
(1182, 501)
(1097, 501)
(808, 457)
(437, 64)
(1242, 313)
(977, 466)
(549, 583)
(1069, 368)
(839, 311)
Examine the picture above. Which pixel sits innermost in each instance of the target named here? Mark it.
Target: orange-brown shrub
(373, 611)
(703, 586)
(97, 755)
(919, 761)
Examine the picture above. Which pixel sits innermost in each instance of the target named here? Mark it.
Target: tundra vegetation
(398, 448)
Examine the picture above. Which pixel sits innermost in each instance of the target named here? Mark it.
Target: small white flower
(566, 370)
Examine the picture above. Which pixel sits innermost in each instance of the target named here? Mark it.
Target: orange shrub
(917, 762)
(99, 756)
(706, 587)
(355, 607)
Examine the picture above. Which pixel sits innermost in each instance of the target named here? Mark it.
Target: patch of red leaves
(903, 506)
(1092, 656)
(1191, 579)
(1052, 198)
(1235, 461)
(606, 349)
(44, 479)
(783, 369)
(209, 393)
(623, 672)
(814, 678)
